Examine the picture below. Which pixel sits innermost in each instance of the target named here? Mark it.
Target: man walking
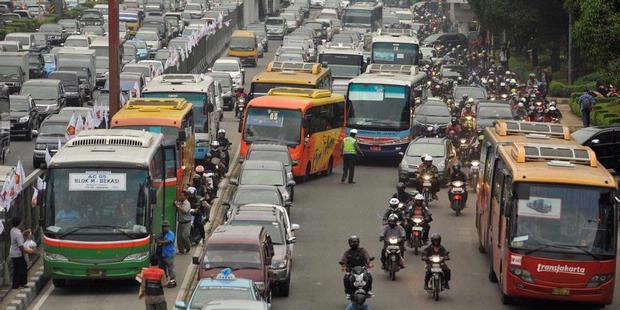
(350, 149)
(184, 208)
(152, 286)
(586, 101)
(165, 249)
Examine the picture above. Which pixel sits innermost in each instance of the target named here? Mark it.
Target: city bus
(345, 61)
(104, 205)
(309, 121)
(379, 104)
(549, 227)
(197, 89)
(290, 74)
(395, 49)
(174, 119)
(364, 17)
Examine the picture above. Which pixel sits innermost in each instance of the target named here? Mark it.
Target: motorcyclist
(401, 194)
(454, 129)
(353, 257)
(198, 180)
(427, 167)
(435, 248)
(393, 208)
(521, 111)
(532, 82)
(419, 208)
(457, 174)
(468, 109)
(554, 113)
(392, 229)
(463, 101)
(221, 138)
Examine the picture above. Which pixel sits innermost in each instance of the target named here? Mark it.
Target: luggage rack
(554, 155)
(390, 68)
(283, 66)
(180, 78)
(156, 104)
(506, 127)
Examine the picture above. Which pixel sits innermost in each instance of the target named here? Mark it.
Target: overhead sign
(98, 181)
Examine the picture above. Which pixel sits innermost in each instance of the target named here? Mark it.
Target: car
(272, 151)
(75, 93)
(48, 95)
(292, 20)
(443, 158)
(55, 33)
(152, 39)
(24, 116)
(475, 92)
(142, 49)
(236, 305)
(273, 223)
(447, 39)
(265, 172)
(51, 135)
(604, 141)
(225, 286)
(232, 66)
(431, 120)
(488, 112)
(247, 194)
(276, 27)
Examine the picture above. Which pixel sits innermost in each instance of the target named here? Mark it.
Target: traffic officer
(350, 149)
(152, 285)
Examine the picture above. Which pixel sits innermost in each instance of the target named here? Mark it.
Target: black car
(91, 17)
(431, 120)
(75, 92)
(24, 116)
(604, 141)
(36, 64)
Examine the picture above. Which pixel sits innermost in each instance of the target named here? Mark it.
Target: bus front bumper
(384, 150)
(600, 295)
(72, 270)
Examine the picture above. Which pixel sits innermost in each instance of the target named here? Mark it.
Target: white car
(77, 41)
(232, 66)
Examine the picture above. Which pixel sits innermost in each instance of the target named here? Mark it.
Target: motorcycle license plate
(436, 270)
(457, 190)
(560, 291)
(359, 283)
(375, 148)
(426, 184)
(393, 248)
(418, 228)
(393, 258)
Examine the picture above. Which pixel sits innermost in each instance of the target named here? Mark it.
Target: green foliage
(605, 112)
(592, 77)
(559, 89)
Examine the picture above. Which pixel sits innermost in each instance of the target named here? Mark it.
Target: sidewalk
(569, 118)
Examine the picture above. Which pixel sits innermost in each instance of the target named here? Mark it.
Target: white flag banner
(48, 157)
(20, 176)
(71, 128)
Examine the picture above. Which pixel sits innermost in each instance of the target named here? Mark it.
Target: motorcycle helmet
(532, 75)
(400, 187)
(507, 73)
(454, 121)
(465, 96)
(200, 169)
(418, 198)
(436, 239)
(215, 144)
(456, 167)
(191, 190)
(392, 220)
(520, 104)
(354, 241)
(428, 159)
(393, 202)
(221, 130)
(552, 108)
(470, 100)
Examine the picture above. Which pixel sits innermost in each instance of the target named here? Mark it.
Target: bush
(558, 89)
(592, 77)
(605, 112)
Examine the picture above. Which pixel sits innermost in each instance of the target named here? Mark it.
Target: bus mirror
(182, 137)
(153, 195)
(295, 163)
(324, 64)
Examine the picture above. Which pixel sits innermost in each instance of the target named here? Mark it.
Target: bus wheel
(59, 282)
(330, 166)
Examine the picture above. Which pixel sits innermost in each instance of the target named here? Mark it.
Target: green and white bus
(104, 205)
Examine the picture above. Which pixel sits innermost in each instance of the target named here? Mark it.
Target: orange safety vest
(152, 281)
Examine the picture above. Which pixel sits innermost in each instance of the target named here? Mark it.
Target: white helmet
(221, 131)
(214, 143)
(354, 131)
(418, 197)
(428, 158)
(470, 100)
(520, 104)
(394, 201)
(552, 108)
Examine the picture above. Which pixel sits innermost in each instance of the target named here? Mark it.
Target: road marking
(44, 297)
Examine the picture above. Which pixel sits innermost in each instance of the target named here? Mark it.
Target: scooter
(457, 196)
(427, 188)
(435, 284)
(417, 231)
(474, 169)
(392, 257)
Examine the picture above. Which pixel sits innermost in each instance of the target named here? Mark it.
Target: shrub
(559, 89)
(592, 77)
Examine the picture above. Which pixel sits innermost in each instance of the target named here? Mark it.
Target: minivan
(247, 250)
(266, 172)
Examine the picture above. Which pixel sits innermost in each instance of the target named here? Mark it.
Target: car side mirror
(291, 240)
(596, 141)
(35, 132)
(210, 69)
(295, 227)
(234, 181)
(195, 260)
(401, 153)
(179, 304)
(291, 183)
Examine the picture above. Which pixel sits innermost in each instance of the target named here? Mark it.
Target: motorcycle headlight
(278, 264)
(393, 240)
(285, 195)
(24, 119)
(241, 100)
(463, 141)
(136, 257)
(426, 177)
(417, 220)
(55, 256)
(435, 259)
(504, 96)
(429, 128)
(475, 163)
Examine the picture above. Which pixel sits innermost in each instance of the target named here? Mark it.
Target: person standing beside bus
(350, 149)
(17, 253)
(185, 218)
(152, 286)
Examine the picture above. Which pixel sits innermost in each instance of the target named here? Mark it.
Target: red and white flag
(71, 128)
(20, 176)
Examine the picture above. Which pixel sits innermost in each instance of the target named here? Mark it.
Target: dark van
(247, 250)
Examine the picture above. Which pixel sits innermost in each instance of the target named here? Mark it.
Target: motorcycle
(457, 196)
(417, 231)
(474, 168)
(427, 188)
(240, 108)
(392, 257)
(464, 151)
(435, 285)
(358, 277)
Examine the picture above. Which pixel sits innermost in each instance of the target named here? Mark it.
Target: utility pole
(570, 48)
(113, 51)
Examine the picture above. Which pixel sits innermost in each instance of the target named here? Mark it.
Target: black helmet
(456, 167)
(454, 121)
(354, 241)
(436, 239)
(392, 219)
(400, 187)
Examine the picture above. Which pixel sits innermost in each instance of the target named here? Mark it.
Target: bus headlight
(136, 257)
(523, 274)
(55, 256)
(599, 279)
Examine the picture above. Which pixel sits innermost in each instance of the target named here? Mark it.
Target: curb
(26, 296)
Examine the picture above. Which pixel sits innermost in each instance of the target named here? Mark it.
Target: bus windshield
(84, 201)
(395, 53)
(267, 124)
(357, 18)
(558, 218)
(378, 107)
(343, 65)
(242, 43)
(196, 99)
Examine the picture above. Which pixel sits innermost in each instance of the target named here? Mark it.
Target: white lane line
(44, 297)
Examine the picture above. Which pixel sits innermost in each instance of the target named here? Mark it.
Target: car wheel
(285, 288)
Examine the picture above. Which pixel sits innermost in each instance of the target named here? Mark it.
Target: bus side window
(170, 158)
(488, 165)
(498, 179)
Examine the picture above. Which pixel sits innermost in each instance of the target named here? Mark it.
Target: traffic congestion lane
(329, 212)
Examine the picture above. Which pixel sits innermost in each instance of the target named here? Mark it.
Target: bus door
(171, 188)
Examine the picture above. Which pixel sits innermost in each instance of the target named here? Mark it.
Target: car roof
(262, 164)
(235, 234)
(43, 82)
(425, 140)
(235, 304)
(242, 214)
(257, 187)
(238, 282)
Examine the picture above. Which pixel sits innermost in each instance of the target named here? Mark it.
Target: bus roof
(295, 98)
(555, 163)
(389, 78)
(506, 131)
(121, 148)
(291, 73)
(340, 48)
(179, 83)
(151, 111)
(394, 38)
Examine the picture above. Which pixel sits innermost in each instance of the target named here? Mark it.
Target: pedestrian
(586, 101)
(504, 54)
(153, 280)
(165, 250)
(17, 253)
(350, 150)
(184, 228)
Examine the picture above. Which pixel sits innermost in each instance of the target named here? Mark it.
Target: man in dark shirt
(353, 257)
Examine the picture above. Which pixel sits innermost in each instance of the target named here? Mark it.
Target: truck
(14, 70)
(81, 61)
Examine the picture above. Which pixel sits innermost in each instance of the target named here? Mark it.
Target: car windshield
(206, 294)
(247, 196)
(495, 113)
(261, 177)
(433, 149)
(242, 43)
(49, 58)
(342, 39)
(273, 229)
(282, 157)
(19, 105)
(434, 111)
(279, 125)
(472, 92)
(139, 44)
(90, 15)
(80, 200)
(354, 17)
(295, 57)
(76, 42)
(274, 21)
(226, 255)
(378, 107)
(563, 218)
(51, 28)
(53, 129)
(40, 92)
(226, 66)
(8, 70)
(66, 78)
(225, 82)
(147, 36)
(289, 17)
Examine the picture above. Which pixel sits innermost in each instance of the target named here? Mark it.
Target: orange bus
(310, 121)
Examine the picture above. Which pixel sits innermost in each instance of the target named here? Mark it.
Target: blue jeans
(585, 117)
